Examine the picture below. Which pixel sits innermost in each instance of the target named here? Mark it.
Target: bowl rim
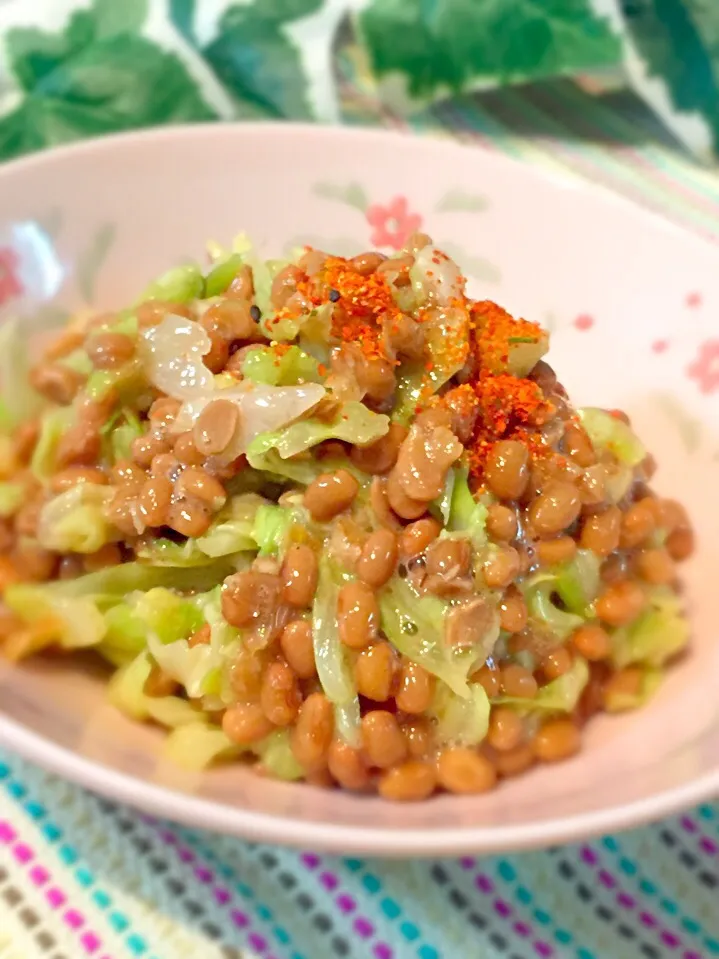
(234, 820)
(326, 837)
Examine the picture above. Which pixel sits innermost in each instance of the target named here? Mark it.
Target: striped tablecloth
(81, 877)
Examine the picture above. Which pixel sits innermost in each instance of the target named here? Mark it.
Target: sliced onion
(263, 409)
(435, 277)
(171, 354)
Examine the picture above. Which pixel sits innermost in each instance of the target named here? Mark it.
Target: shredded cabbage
(166, 615)
(268, 366)
(195, 746)
(333, 666)
(11, 498)
(221, 275)
(273, 452)
(74, 520)
(616, 701)
(576, 583)
(120, 433)
(53, 425)
(462, 720)
(408, 395)
(182, 284)
(538, 594)
(277, 757)
(561, 695)
(73, 622)
(197, 668)
(466, 514)
(126, 689)
(608, 432)
(270, 529)
(660, 633)
(415, 626)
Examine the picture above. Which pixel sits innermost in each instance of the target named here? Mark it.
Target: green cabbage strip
(12, 496)
(75, 521)
(166, 615)
(222, 274)
(119, 433)
(126, 691)
(460, 720)
(181, 284)
(271, 527)
(609, 433)
(414, 625)
(53, 425)
(333, 667)
(619, 702)
(659, 634)
(561, 695)
(410, 388)
(203, 669)
(195, 746)
(277, 757)
(234, 530)
(576, 583)
(78, 606)
(292, 366)
(273, 452)
(466, 514)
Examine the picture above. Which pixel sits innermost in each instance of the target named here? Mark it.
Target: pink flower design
(10, 285)
(705, 369)
(660, 346)
(393, 224)
(694, 299)
(584, 322)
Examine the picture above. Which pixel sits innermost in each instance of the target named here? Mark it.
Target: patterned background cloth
(82, 877)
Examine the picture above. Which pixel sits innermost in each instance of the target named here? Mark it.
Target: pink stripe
(330, 881)
(629, 903)
(204, 877)
(486, 886)
(56, 898)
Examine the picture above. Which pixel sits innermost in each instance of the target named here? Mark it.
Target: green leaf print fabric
(78, 68)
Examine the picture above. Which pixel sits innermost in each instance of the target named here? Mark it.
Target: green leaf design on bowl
(460, 200)
(94, 77)
(89, 265)
(353, 194)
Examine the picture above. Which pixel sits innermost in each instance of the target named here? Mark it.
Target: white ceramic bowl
(633, 305)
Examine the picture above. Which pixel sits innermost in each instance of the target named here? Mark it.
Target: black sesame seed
(334, 295)
(255, 313)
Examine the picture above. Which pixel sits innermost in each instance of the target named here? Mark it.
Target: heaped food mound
(335, 519)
